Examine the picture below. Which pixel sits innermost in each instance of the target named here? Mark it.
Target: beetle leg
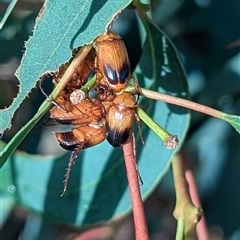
(134, 153)
(48, 98)
(137, 88)
(72, 160)
(58, 105)
(41, 88)
(139, 128)
(45, 124)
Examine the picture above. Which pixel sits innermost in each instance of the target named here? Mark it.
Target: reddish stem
(181, 102)
(139, 218)
(202, 231)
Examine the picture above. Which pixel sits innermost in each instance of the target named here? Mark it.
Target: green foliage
(234, 120)
(60, 27)
(97, 188)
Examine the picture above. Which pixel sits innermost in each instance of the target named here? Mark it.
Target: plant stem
(187, 214)
(22, 133)
(181, 102)
(141, 6)
(76, 62)
(170, 141)
(202, 232)
(8, 11)
(234, 120)
(140, 223)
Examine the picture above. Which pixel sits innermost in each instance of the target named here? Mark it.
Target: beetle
(77, 139)
(84, 112)
(81, 137)
(86, 116)
(112, 61)
(79, 77)
(119, 119)
(77, 80)
(95, 120)
(81, 73)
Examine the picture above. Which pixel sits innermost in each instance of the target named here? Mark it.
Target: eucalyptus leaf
(60, 27)
(98, 189)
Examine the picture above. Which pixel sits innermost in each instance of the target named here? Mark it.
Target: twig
(181, 102)
(186, 213)
(76, 62)
(202, 232)
(140, 223)
(45, 106)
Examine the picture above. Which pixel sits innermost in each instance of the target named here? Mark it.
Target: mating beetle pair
(112, 64)
(94, 120)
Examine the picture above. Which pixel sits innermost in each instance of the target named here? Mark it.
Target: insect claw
(64, 190)
(58, 106)
(140, 179)
(137, 88)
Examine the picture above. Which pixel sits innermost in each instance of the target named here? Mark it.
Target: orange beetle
(82, 137)
(77, 139)
(78, 79)
(86, 115)
(112, 61)
(119, 119)
(85, 112)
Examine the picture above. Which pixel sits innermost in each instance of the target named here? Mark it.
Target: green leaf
(234, 120)
(164, 64)
(12, 145)
(8, 12)
(60, 27)
(97, 189)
